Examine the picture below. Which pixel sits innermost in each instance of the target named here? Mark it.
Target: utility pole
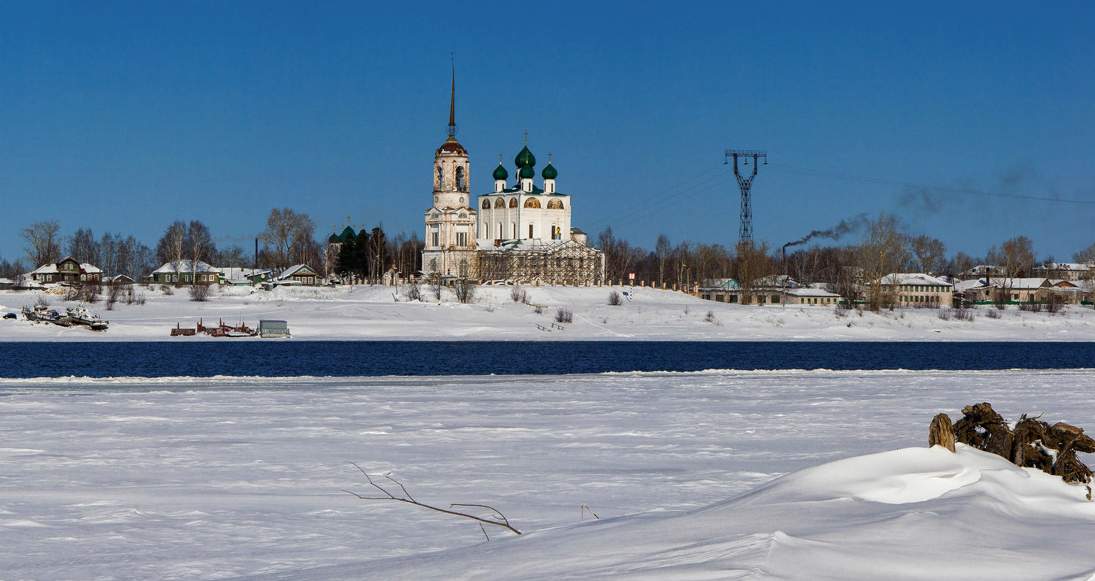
(745, 184)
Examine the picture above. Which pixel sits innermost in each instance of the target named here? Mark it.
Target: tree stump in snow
(941, 432)
(984, 429)
(1032, 444)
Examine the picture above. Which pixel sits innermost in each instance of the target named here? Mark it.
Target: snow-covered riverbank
(364, 313)
(236, 477)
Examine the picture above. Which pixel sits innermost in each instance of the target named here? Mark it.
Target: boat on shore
(79, 315)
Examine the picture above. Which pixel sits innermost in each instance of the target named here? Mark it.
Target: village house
(720, 290)
(973, 292)
(1020, 290)
(301, 274)
(914, 289)
(1038, 290)
(236, 276)
(810, 296)
(67, 270)
(981, 271)
(118, 280)
(183, 272)
(769, 290)
(1070, 271)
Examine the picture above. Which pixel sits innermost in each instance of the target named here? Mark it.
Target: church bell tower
(450, 246)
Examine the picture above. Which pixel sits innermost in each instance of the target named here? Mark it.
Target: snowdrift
(915, 513)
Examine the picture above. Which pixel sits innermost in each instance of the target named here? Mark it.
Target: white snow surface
(713, 475)
(383, 313)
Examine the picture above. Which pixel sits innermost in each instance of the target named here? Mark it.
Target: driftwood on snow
(1032, 443)
(941, 432)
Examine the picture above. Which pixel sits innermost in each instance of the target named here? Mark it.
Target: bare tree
(290, 238)
(281, 225)
(465, 290)
(1018, 254)
(172, 244)
(753, 263)
(199, 247)
(1087, 255)
(929, 252)
(661, 253)
(497, 519)
(43, 242)
(83, 247)
(883, 252)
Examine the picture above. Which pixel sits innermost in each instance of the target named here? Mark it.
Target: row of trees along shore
(882, 246)
(288, 239)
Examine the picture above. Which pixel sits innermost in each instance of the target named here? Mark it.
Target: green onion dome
(500, 172)
(333, 239)
(347, 234)
(527, 172)
(549, 172)
(525, 158)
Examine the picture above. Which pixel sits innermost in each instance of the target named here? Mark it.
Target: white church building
(518, 233)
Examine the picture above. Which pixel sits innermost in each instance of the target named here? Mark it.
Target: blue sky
(126, 116)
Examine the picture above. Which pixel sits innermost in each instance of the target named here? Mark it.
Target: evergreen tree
(347, 255)
(361, 254)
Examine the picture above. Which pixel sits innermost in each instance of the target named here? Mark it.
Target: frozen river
(224, 477)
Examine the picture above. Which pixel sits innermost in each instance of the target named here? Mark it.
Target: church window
(532, 203)
(499, 203)
(515, 230)
(555, 205)
(435, 235)
(500, 232)
(440, 177)
(463, 268)
(513, 202)
(530, 231)
(486, 204)
(461, 239)
(460, 185)
(556, 232)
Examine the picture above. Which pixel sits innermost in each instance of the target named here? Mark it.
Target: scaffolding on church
(536, 262)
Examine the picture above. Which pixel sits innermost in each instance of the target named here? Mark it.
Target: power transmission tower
(745, 184)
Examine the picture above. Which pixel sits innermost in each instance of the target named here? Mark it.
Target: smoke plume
(843, 228)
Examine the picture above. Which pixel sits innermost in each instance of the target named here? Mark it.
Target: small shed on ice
(270, 329)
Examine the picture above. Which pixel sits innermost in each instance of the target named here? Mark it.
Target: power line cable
(913, 185)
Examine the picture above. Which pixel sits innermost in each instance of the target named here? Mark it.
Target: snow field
(241, 477)
(377, 312)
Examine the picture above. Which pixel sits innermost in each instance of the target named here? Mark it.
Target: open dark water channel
(337, 358)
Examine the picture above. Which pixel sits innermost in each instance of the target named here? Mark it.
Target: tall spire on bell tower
(452, 99)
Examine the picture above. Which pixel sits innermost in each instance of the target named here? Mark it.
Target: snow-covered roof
(721, 283)
(811, 292)
(775, 281)
(51, 268)
(1066, 266)
(181, 266)
(972, 284)
(913, 278)
(296, 269)
(240, 274)
(1026, 283)
(528, 244)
